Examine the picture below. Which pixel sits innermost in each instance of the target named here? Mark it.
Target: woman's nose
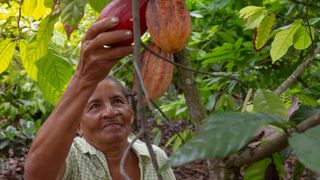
(108, 111)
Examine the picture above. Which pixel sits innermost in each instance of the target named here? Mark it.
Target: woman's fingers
(100, 26)
(91, 47)
(106, 54)
(96, 60)
(109, 38)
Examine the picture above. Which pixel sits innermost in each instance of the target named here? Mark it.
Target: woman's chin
(114, 135)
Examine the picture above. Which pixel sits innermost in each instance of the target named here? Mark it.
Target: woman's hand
(97, 56)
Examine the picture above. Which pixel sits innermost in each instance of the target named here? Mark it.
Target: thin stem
(127, 63)
(125, 155)
(19, 18)
(140, 107)
(309, 27)
(281, 16)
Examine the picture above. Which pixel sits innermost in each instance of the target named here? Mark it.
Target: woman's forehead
(107, 88)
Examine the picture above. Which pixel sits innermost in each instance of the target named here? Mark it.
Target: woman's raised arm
(46, 157)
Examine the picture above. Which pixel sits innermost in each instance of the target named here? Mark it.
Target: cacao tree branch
(215, 74)
(285, 85)
(266, 149)
(125, 155)
(140, 107)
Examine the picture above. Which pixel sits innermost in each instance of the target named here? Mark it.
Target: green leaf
(35, 8)
(98, 5)
(6, 52)
(313, 90)
(226, 101)
(157, 138)
(53, 75)
(72, 12)
(303, 113)
(307, 99)
(222, 134)
(28, 7)
(314, 21)
(29, 55)
(40, 10)
(177, 143)
(211, 102)
(306, 147)
(257, 170)
(248, 11)
(213, 30)
(49, 3)
(220, 53)
(283, 40)
(268, 102)
(278, 163)
(298, 170)
(255, 20)
(301, 39)
(263, 31)
(33, 51)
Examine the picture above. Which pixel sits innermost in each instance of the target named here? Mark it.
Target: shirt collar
(138, 146)
(84, 146)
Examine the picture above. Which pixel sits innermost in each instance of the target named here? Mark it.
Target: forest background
(248, 109)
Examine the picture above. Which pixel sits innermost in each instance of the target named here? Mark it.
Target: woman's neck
(114, 151)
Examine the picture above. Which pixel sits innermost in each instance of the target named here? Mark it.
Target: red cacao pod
(156, 73)
(169, 24)
(123, 10)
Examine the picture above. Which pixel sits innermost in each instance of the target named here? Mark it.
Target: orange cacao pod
(156, 73)
(169, 24)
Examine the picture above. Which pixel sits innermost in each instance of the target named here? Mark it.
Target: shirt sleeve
(162, 158)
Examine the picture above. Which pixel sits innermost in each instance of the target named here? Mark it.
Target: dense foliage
(247, 48)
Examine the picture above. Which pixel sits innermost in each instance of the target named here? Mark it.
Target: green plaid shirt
(85, 162)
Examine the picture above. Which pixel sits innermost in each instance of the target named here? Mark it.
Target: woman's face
(108, 116)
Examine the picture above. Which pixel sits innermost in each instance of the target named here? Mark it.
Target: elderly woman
(96, 107)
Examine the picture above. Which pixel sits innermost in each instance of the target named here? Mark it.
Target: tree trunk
(190, 90)
(217, 168)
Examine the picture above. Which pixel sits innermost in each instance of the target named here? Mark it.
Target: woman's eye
(118, 101)
(94, 106)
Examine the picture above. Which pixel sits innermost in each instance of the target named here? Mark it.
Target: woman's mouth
(112, 125)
